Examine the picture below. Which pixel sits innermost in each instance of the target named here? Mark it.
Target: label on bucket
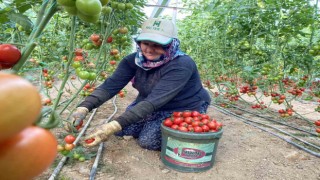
(194, 155)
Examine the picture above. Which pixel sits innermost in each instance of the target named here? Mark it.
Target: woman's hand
(76, 118)
(102, 133)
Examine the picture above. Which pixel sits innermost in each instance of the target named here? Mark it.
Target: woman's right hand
(76, 118)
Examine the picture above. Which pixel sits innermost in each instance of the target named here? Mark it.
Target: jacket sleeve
(112, 85)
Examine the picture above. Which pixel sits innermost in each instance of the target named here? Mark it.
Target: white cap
(160, 31)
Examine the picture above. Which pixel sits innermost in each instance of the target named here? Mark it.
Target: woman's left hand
(102, 134)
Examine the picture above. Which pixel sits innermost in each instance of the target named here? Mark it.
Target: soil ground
(244, 153)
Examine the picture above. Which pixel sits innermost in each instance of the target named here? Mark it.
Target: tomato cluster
(278, 98)
(285, 112)
(317, 123)
(68, 148)
(48, 78)
(87, 89)
(9, 56)
(250, 90)
(84, 69)
(28, 144)
(192, 121)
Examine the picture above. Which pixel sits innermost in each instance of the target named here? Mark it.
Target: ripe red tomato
(183, 129)
(184, 124)
(78, 58)
(205, 128)
(95, 37)
(175, 126)
(205, 121)
(109, 39)
(177, 120)
(113, 62)
(195, 123)
(204, 116)
(9, 55)
(168, 122)
(212, 125)
(195, 114)
(69, 139)
(188, 120)
(32, 150)
(198, 129)
(88, 141)
(18, 109)
(186, 114)
(318, 130)
(317, 122)
(177, 114)
(190, 128)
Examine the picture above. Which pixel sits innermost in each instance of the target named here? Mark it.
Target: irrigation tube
(252, 124)
(64, 159)
(278, 122)
(101, 146)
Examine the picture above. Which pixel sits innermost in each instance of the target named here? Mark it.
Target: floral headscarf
(171, 52)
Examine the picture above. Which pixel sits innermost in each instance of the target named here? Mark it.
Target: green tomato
(129, 6)
(92, 76)
(89, 19)
(104, 2)
(89, 7)
(122, 6)
(72, 10)
(106, 10)
(82, 158)
(67, 2)
(114, 5)
(88, 46)
(84, 75)
(76, 64)
(76, 156)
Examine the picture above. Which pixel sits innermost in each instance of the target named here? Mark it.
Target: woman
(166, 78)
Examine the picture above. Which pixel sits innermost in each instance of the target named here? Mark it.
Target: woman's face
(151, 50)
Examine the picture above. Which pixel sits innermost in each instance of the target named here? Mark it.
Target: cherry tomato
(69, 139)
(88, 141)
(168, 122)
(195, 114)
(186, 114)
(9, 56)
(95, 37)
(317, 122)
(68, 147)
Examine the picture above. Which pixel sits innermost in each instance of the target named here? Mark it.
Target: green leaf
(22, 5)
(22, 20)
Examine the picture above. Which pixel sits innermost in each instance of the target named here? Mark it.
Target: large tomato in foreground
(9, 56)
(27, 154)
(20, 104)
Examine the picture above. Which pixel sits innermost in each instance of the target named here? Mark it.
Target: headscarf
(172, 51)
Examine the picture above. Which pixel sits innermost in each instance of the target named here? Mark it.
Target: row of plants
(266, 50)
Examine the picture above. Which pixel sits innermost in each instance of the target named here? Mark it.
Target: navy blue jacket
(174, 86)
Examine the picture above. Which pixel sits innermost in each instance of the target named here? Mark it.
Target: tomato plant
(27, 154)
(20, 104)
